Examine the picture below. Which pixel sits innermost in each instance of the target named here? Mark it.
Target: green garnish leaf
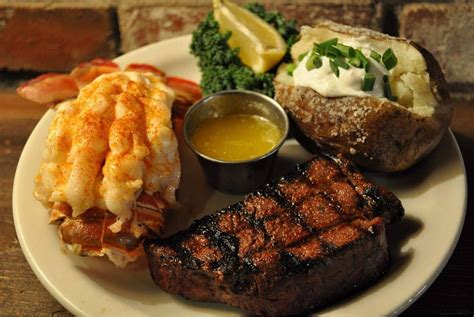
(341, 63)
(389, 59)
(345, 50)
(290, 69)
(387, 90)
(368, 82)
(334, 68)
(376, 56)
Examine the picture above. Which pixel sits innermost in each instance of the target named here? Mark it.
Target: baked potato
(373, 131)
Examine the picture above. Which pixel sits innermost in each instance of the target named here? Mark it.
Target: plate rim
(447, 255)
(68, 304)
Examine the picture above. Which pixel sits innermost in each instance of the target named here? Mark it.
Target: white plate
(433, 194)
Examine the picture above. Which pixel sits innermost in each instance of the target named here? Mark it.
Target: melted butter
(236, 137)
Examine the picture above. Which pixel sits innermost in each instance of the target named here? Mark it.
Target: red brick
(447, 31)
(45, 37)
(144, 22)
(363, 13)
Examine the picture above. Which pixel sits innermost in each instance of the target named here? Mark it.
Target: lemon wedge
(261, 46)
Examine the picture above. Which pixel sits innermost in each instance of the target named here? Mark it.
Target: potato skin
(374, 133)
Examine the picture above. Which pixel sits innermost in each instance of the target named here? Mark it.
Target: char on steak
(290, 247)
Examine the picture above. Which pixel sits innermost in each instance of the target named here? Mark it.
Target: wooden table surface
(21, 293)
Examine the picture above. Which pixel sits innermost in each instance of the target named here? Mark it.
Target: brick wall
(55, 36)
(45, 35)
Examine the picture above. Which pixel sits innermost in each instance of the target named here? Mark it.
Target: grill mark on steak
(304, 229)
(381, 201)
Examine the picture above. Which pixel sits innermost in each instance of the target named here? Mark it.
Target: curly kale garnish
(220, 65)
(210, 46)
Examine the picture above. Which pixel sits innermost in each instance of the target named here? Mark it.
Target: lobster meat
(114, 142)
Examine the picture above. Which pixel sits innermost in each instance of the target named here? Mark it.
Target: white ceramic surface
(433, 194)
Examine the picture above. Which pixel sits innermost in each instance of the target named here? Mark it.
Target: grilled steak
(290, 247)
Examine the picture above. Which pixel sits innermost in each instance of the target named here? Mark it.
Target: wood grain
(21, 293)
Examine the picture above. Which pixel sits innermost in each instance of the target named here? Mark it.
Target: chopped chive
(314, 61)
(368, 82)
(376, 56)
(301, 56)
(321, 50)
(329, 43)
(363, 59)
(345, 50)
(389, 59)
(317, 62)
(332, 52)
(365, 62)
(387, 91)
(355, 62)
(334, 68)
(310, 63)
(290, 69)
(341, 63)
(361, 56)
(367, 67)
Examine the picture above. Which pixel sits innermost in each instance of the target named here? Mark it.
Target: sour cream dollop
(325, 82)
